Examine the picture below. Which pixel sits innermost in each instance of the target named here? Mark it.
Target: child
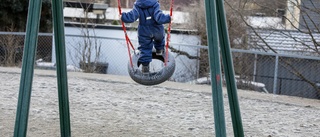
(150, 30)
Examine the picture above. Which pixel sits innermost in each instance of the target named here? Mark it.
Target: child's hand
(171, 18)
(120, 17)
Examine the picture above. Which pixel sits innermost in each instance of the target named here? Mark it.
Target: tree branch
(179, 52)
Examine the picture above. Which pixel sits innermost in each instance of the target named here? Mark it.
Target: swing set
(217, 33)
(152, 78)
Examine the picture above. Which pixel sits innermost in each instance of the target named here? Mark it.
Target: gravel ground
(115, 106)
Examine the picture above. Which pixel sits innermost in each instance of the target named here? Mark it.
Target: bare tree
(88, 50)
(11, 48)
(197, 21)
(300, 26)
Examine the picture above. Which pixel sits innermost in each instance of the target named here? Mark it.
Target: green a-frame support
(217, 32)
(27, 71)
(217, 35)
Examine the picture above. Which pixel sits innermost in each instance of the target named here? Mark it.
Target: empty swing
(153, 77)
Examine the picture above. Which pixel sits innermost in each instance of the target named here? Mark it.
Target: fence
(265, 72)
(280, 73)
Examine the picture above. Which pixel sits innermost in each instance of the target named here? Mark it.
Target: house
(286, 55)
(296, 14)
(299, 34)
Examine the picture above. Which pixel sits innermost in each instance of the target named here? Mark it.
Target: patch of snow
(261, 87)
(73, 68)
(203, 80)
(50, 65)
(265, 22)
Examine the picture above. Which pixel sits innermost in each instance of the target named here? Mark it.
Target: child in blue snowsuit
(150, 30)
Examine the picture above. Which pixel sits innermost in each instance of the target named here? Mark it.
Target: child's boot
(145, 69)
(159, 52)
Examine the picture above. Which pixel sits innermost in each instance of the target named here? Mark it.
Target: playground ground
(115, 106)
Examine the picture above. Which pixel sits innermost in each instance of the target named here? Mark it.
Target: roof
(285, 41)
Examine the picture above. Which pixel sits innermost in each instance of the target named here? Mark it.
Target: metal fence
(264, 72)
(278, 73)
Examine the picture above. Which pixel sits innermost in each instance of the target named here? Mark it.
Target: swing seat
(152, 78)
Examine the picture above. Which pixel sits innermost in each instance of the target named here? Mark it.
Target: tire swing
(152, 78)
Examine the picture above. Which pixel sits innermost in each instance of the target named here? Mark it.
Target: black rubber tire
(152, 78)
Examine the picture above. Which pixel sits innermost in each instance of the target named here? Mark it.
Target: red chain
(168, 35)
(126, 35)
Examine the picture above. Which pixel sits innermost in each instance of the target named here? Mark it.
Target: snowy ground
(115, 106)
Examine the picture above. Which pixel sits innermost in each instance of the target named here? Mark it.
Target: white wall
(115, 52)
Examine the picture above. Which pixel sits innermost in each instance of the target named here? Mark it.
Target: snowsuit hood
(145, 3)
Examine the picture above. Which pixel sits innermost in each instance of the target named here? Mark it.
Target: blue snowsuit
(150, 30)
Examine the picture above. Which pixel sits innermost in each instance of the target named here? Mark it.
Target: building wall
(303, 14)
(178, 4)
(293, 14)
(310, 15)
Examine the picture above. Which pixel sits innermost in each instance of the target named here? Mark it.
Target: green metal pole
(29, 52)
(214, 59)
(58, 26)
(229, 71)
